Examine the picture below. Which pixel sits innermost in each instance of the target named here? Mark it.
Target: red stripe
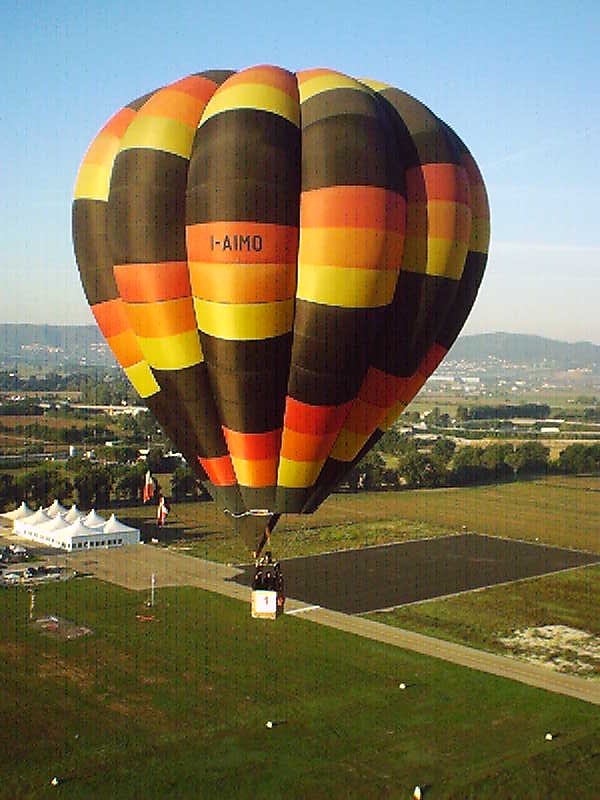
(433, 359)
(438, 182)
(381, 389)
(219, 470)
(306, 418)
(253, 446)
(111, 317)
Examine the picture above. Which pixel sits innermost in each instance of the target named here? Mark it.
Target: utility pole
(152, 587)
(31, 605)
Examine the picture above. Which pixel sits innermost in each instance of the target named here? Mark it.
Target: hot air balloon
(278, 261)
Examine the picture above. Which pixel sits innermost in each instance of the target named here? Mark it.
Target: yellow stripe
(324, 83)
(391, 416)
(351, 247)
(252, 95)
(172, 352)
(346, 287)
(442, 257)
(480, 235)
(298, 474)
(377, 86)
(244, 321)
(159, 133)
(142, 379)
(93, 182)
(348, 445)
(442, 218)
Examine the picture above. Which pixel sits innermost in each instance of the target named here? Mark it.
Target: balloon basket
(267, 604)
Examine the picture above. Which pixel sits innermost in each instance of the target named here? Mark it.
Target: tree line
(90, 485)
(445, 464)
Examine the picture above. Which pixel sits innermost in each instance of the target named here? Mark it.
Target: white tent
(55, 509)
(73, 513)
(24, 525)
(22, 511)
(69, 531)
(113, 525)
(57, 523)
(93, 520)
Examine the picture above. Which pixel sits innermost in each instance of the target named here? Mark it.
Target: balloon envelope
(278, 262)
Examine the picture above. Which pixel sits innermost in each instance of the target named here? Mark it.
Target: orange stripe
(195, 85)
(316, 420)
(219, 470)
(253, 446)
(102, 150)
(243, 283)
(126, 348)
(167, 318)
(352, 207)
(271, 76)
(297, 446)
(175, 105)
(148, 283)
(438, 182)
(363, 417)
(111, 317)
(118, 124)
(242, 242)
(443, 220)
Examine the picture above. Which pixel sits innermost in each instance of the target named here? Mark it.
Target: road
(132, 567)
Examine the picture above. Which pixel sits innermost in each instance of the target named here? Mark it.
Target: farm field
(175, 704)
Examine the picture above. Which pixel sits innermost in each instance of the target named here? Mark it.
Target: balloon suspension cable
(266, 535)
(254, 512)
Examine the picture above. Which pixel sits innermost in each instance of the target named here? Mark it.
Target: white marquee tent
(72, 529)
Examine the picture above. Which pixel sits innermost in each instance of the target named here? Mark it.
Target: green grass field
(559, 511)
(176, 707)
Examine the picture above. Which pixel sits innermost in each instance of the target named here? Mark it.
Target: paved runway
(373, 578)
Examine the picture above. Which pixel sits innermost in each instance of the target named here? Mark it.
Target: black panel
(418, 311)
(147, 207)
(248, 356)
(251, 402)
(92, 250)
(430, 141)
(465, 297)
(192, 417)
(245, 166)
(217, 76)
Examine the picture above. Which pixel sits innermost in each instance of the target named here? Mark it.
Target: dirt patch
(56, 668)
(60, 628)
(563, 648)
(11, 650)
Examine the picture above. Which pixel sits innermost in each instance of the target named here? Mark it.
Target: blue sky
(518, 81)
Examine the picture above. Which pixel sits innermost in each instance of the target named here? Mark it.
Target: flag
(162, 511)
(148, 492)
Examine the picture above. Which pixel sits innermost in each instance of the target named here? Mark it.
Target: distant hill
(518, 348)
(55, 346)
